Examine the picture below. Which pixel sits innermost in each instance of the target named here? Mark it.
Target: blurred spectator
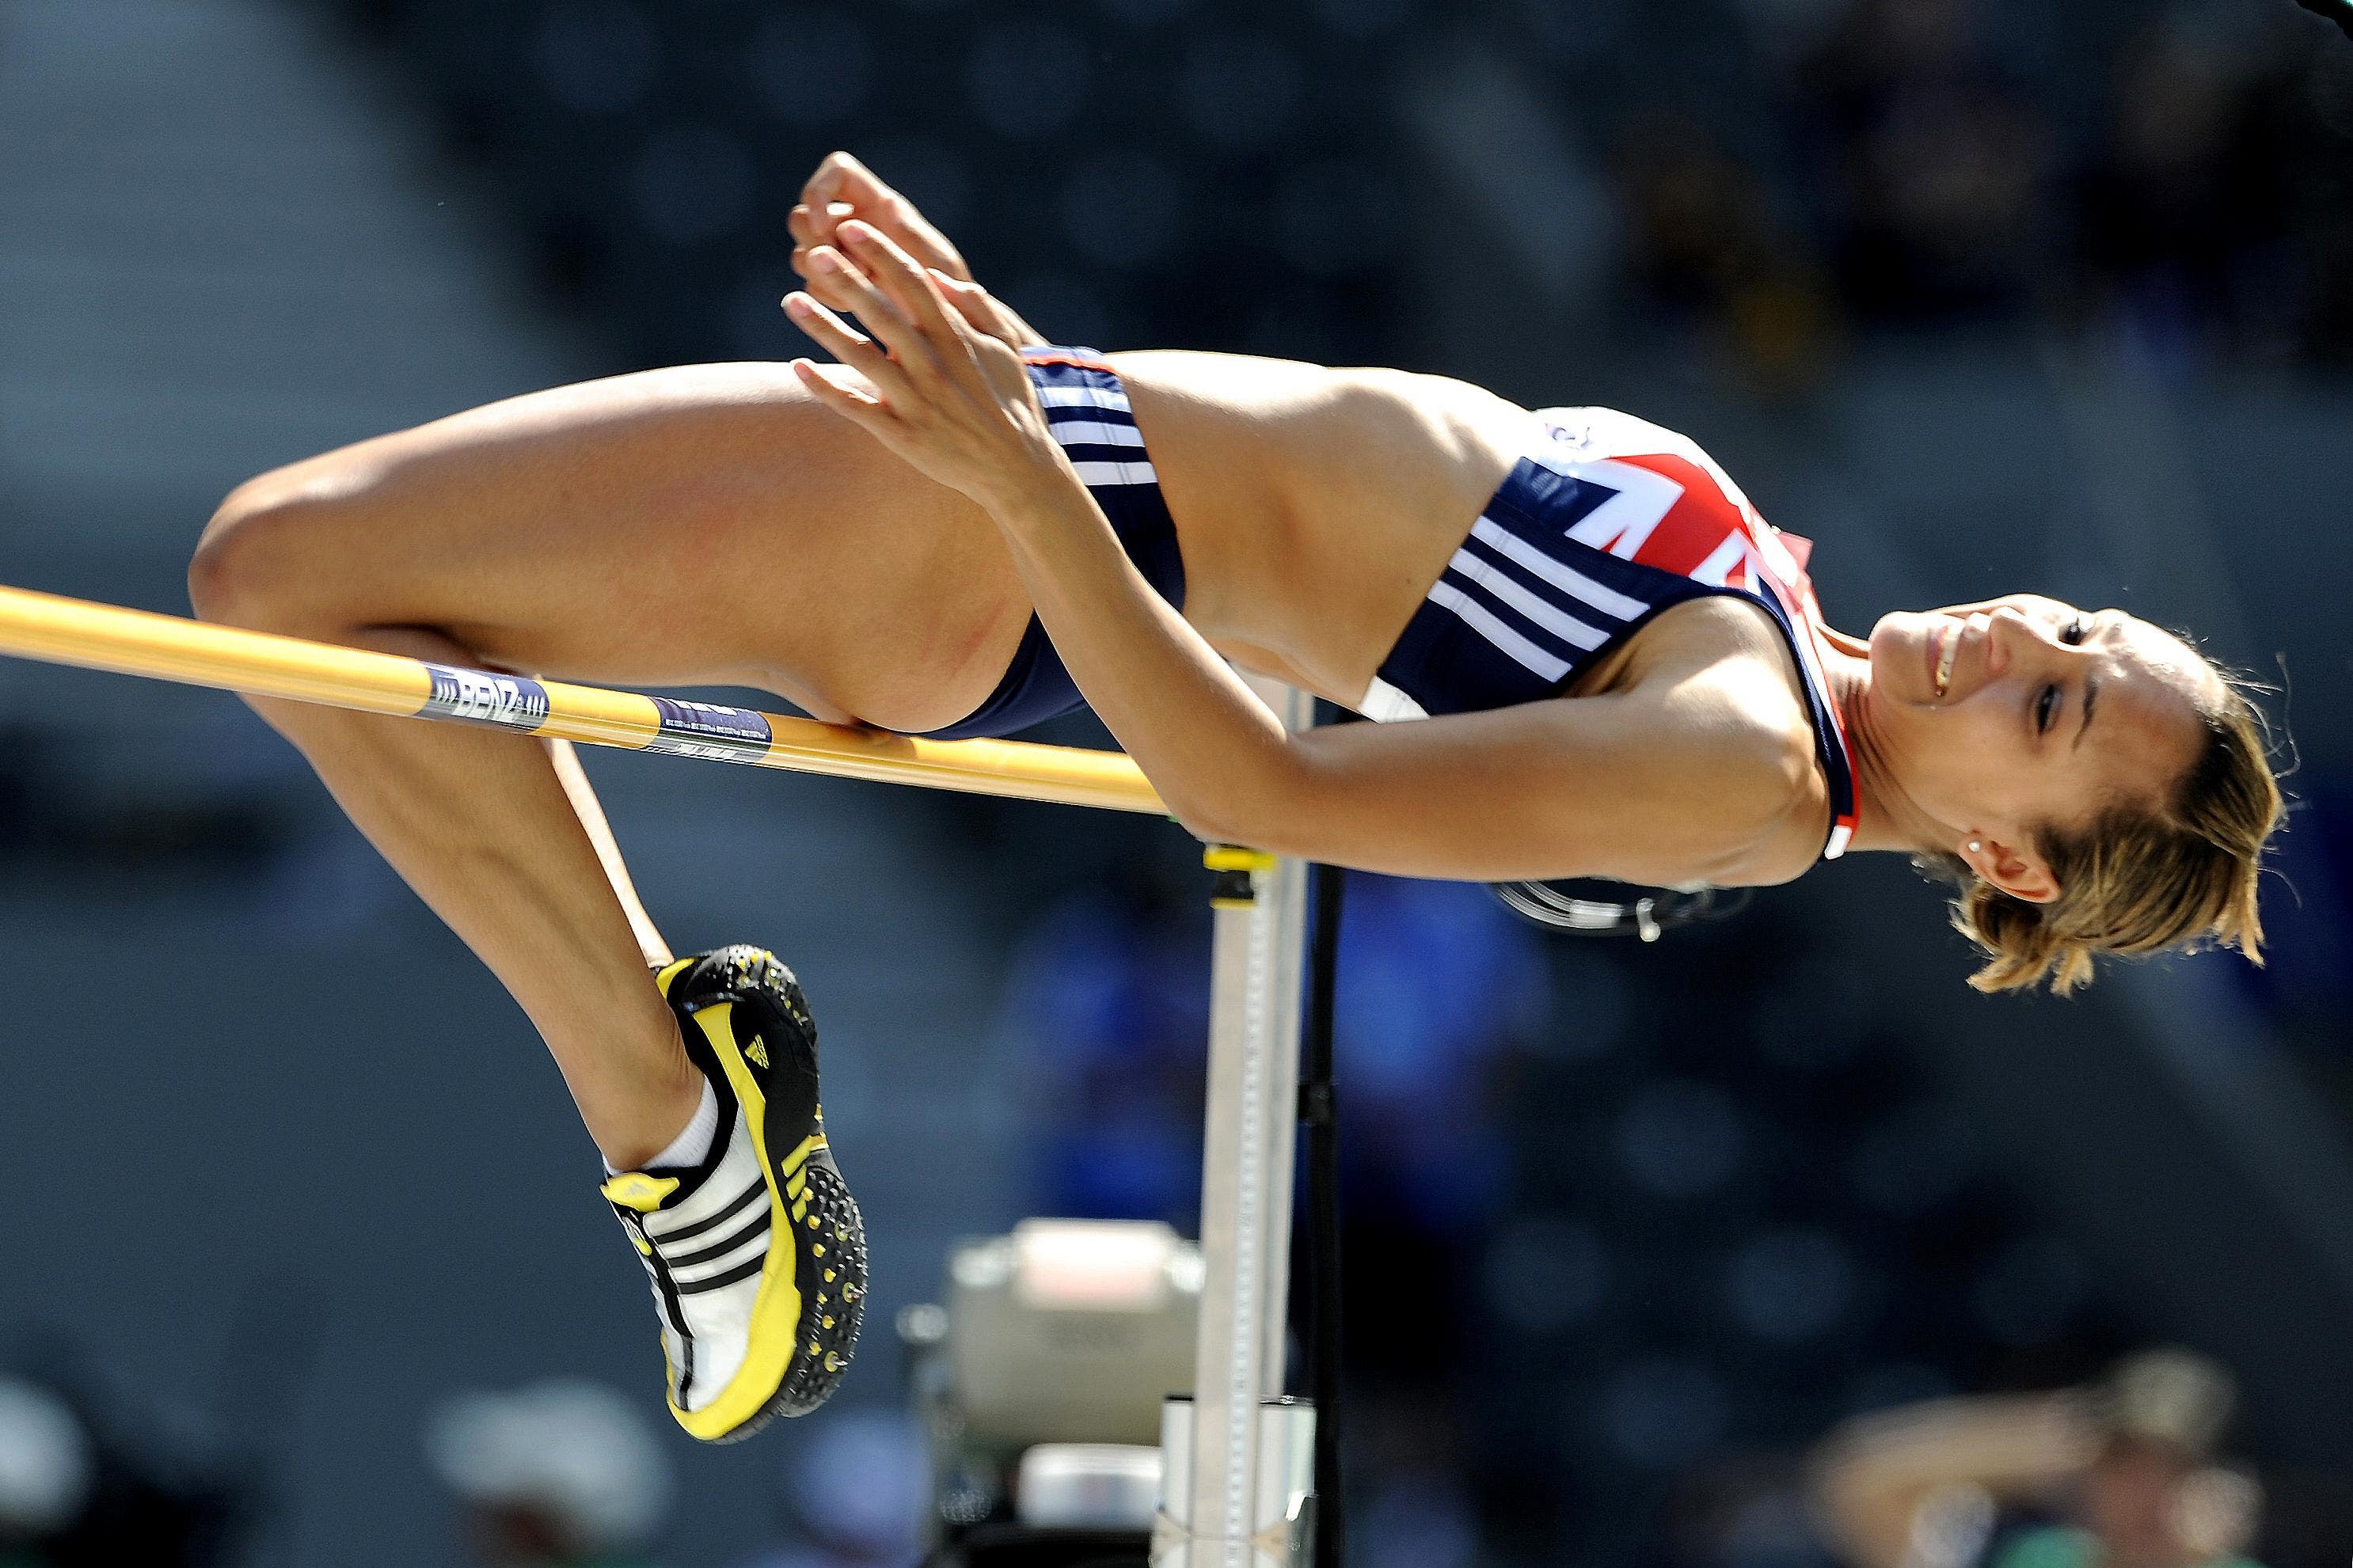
(2304, 97)
(2182, 208)
(1410, 1494)
(1110, 998)
(1438, 983)
(1747, 1512)
(1936, 169)
(2120, 1475)
(857, 1494)
(558, 1475)
(1703, 241)
(47, 1471)
(85, 1483)
(1107, 999)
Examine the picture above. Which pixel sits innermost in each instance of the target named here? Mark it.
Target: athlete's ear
(2018, 870)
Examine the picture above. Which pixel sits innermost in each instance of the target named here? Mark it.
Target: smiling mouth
(1950, 648)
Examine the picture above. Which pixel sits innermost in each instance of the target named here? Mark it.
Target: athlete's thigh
(708, 523)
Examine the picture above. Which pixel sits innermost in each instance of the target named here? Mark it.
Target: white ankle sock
(689, 1147)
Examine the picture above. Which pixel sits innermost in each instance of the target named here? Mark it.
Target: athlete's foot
(756, 1252)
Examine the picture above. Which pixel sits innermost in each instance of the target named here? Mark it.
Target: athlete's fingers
(916, 352)
(907, 285)
(850, 288)
(897, 217)
(887, 265)
(840, 391)
(856, 351)
(827, 278)
(843, 186)
(977, 307)
(825, 181)
(824, 222)
(838, 337)
(843, 181)
(972, 302)
(940, 450)
(835, 279)
(844, 342)
(993, 337)
(840, 382)
(812, 226)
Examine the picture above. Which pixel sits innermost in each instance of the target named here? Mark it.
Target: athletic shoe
(757, 1255)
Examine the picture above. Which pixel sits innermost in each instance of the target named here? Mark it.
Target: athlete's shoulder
(1718, 672)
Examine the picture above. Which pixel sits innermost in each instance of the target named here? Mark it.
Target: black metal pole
(1318, 1108)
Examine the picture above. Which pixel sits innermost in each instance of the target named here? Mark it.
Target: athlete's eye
(2077, 630)
(2045, 707)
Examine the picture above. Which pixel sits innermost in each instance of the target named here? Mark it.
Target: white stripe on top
(1489, 625)
(1087, 433)
(1092, 474)
(1622, 524)
(1082, 397)
(1568, 579)
(1717, 570)
(1385, 704)
(1565, 626)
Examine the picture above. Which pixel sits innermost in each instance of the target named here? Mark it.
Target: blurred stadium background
(1979, 294)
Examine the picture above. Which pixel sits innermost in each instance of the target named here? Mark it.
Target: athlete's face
(1998, 718)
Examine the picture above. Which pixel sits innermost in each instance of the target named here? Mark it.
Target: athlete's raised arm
(1683, 782)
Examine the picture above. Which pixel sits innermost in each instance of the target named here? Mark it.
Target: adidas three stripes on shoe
(756, 1256)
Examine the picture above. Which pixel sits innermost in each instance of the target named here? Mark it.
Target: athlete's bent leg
(483, 827)
(690, 527)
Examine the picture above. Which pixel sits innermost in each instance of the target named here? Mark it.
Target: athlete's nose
(2017, 634)
(2009, 634)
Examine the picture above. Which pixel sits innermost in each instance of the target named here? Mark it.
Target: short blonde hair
(2138, 880)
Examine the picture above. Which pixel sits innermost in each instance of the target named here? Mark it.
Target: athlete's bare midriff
(1316, 507)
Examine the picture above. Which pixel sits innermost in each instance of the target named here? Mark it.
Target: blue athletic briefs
(1087, 408)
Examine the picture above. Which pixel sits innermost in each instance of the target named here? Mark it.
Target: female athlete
(1615, 668)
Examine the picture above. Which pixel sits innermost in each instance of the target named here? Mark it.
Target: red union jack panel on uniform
(1607, 520)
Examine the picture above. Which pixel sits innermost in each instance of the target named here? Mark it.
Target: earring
(1976, 847)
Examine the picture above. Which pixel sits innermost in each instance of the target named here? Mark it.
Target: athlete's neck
(1886, 818)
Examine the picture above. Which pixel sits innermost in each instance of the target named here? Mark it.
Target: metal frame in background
(1238, 1458)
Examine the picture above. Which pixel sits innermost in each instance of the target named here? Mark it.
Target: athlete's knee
(256, 562)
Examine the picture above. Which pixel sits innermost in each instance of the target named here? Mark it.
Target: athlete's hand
(844, 189)
(943, 393)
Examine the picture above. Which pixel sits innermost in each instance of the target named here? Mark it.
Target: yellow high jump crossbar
(57, 630)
